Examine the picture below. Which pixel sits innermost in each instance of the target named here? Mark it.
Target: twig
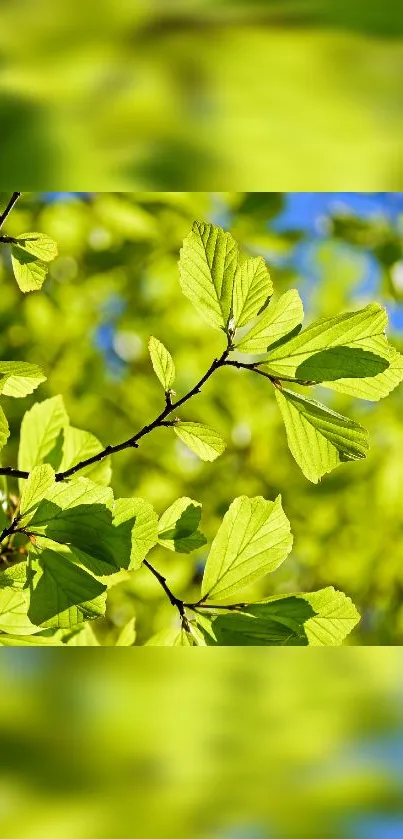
(13, 200)
(159, 422)
(175, 601)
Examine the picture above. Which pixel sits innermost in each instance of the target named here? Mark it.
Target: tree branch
(175, 601)
(159, 422)
(13, 200)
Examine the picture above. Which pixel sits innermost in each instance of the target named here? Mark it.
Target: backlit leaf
(201, 439)
(253, 540)
(319, 438)
(162, 362)
(207, 265)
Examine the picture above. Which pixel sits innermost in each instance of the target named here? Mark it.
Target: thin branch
(159, 422)
(175, 601)
(13, 200)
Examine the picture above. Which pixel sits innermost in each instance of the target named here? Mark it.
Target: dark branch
(175, 601)
(13, 200)
(160, 421)
(8, 531)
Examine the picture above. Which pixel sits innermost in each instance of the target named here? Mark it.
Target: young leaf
(253, 540)
(322, 618)
(278, 321)
(79, 445)
(19, 378)
(319, 438)
(178, 526)
(41, 429)
(252, 289)
(38, 245)
(29, 271)
(201, 439)
(40, 480)
(349, 353)
(143, 524)
(62, 594)
(162, 362)
(207, 266)
(4, 429)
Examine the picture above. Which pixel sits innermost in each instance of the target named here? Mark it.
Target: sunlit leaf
(29, 271)
(207, 265)
(319, 438)
(253, 540)
(80, 445)
(178, 526)
(252, 289)
(162, 362)
(201, 439)
(19, 378)
(276, 322)
(38, 245)
(321, 618)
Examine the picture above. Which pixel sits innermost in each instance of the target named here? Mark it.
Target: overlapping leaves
(348, 353)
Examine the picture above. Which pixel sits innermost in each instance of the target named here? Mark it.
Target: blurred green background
(201, 94)
(224, 744)
(116, 282)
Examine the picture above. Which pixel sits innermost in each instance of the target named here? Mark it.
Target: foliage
(73, 549)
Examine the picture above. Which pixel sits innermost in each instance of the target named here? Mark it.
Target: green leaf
(142, 520)
(79, 445)
(252, 289)
(19, 378)
(376, 387)
(62, 594)
(13, 612)
(162, 362)
(319, 438)
(29, 271)
(178, 526)
(39, 482)
(321, 618)
(4, 429)
(253, 540)
(79, 513)
(207, 266)
(276, 323)
(38, 245)
(41, 430)
(201, 439)
(335, 617)
(348, 353)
